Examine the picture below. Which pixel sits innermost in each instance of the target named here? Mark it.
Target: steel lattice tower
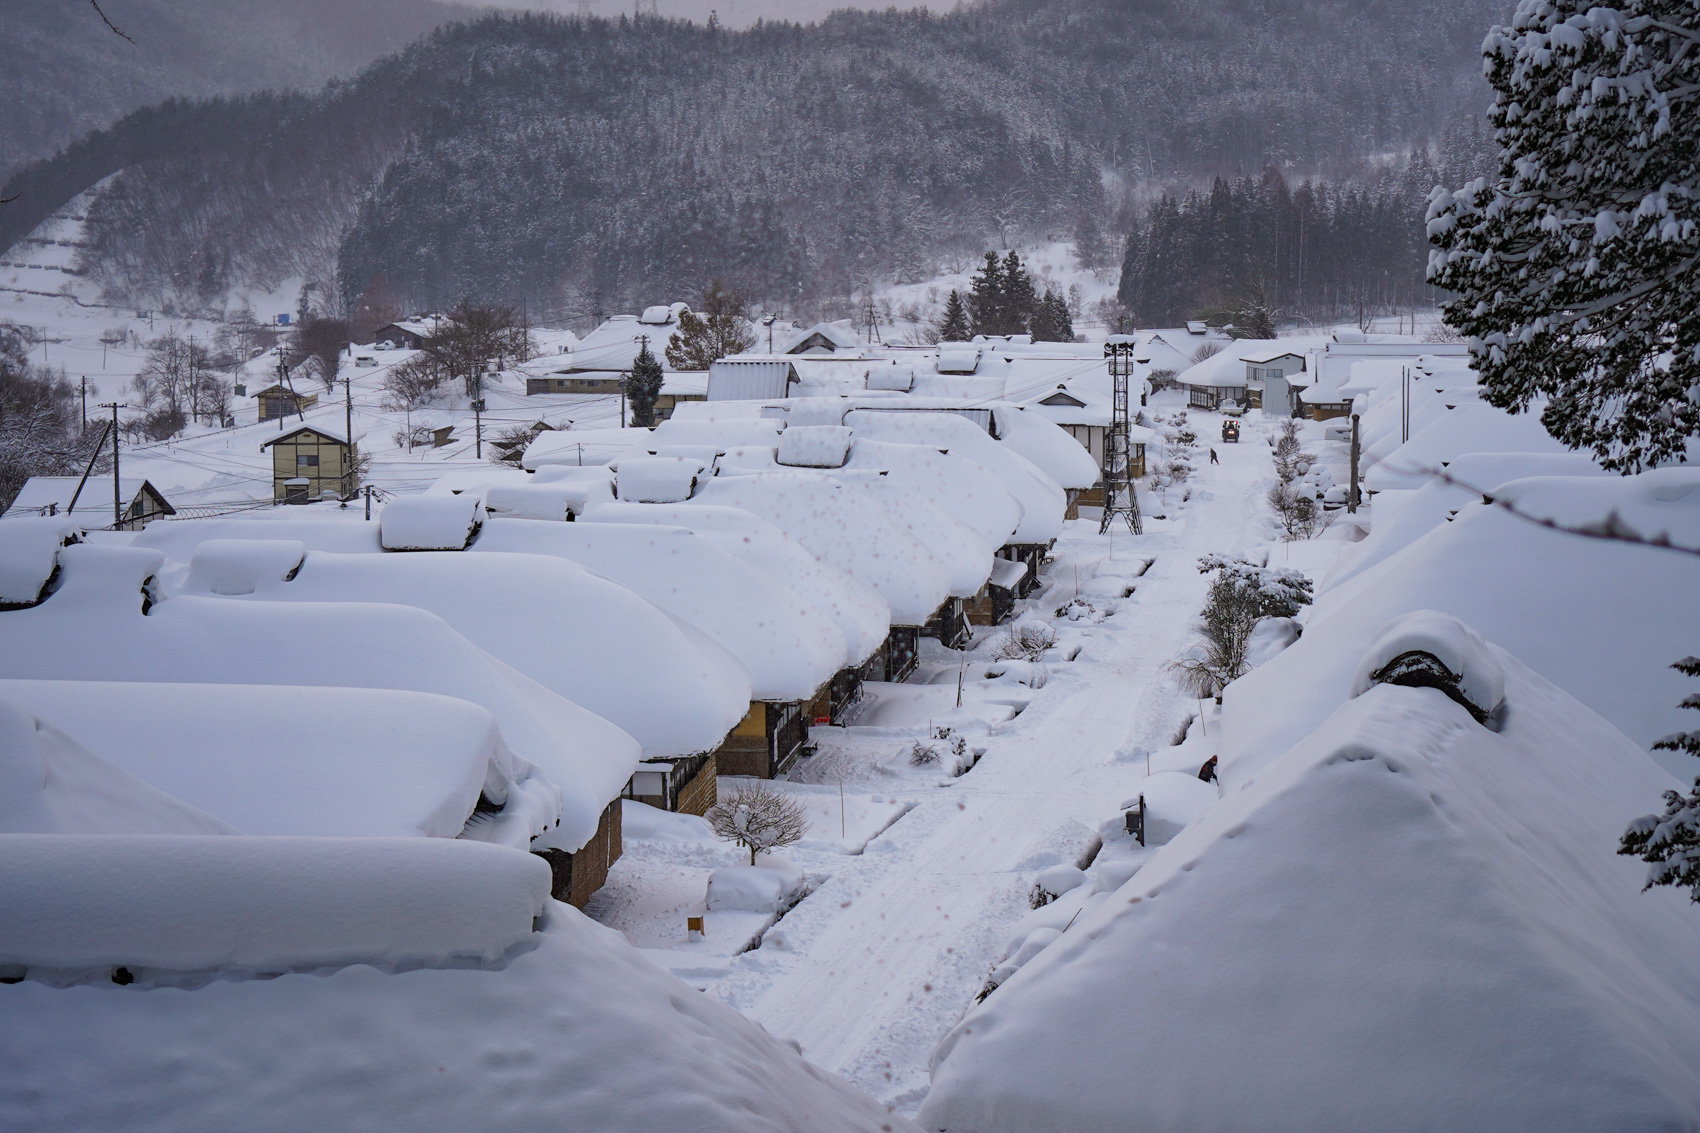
(1119, 496)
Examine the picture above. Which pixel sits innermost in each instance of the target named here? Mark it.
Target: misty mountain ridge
(566, 161)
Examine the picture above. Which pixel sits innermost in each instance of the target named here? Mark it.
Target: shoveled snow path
(876, 965)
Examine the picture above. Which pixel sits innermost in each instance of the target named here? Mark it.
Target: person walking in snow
(1208, 771)
(1213, 459)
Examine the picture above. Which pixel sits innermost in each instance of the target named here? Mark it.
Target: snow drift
(1407, 921)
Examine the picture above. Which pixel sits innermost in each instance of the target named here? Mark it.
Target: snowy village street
(871, 970)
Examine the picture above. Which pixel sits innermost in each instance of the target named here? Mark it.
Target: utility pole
(1119, 495)
(117, 498)
(86, 399)
(478, 414)
(1352, 495)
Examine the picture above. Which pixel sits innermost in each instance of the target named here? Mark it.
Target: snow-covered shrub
(1291, 461)
(1297, 511)
(922, 754)
(757, 817)
(1240, 595)
(1026, 642)
(1670, 842)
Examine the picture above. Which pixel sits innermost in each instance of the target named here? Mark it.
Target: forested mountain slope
(531, 155)
(62, 73)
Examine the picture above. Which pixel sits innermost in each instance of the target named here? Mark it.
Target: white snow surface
(349, 762)
(788, 647)
(657, 479)
(578, 1032)
(51, 784)
(971, 492)
(860, 614)
(1042, 499)
(963, 552)
(324, 530)
(193, 903)
(1473, 426)
(578, 634)
(1047, 445)
(582, 447)
(431, 523)
(93, 628)
(1472, 953)
(814, 446)
(1603, 620)
(29, 552)
(847, 528)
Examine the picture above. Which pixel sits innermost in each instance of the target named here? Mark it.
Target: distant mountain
(563, 161)
(62, 73)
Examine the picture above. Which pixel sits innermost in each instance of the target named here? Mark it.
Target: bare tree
(472, 336)
(720, 327)
(321, 341)
(758, 817)
(410, 385)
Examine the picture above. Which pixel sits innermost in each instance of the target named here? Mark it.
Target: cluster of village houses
(630, 613)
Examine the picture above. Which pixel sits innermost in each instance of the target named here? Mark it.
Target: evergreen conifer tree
(1670, 842)
(1020, 300)
(1575, 264)
(643, 387)
(1051, 320)
(986, 303)
(953, 327)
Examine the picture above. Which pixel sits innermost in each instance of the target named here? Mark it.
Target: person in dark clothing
(1208, 771)
(1213, 459)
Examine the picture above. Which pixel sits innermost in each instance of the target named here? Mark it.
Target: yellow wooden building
(308, 462)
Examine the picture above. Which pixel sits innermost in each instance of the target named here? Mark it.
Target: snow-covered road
(884, 958)
(872, 969)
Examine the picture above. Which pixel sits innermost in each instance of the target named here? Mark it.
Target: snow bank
(1051, 449)
(1602, 620)
(352, 762)
(721, 432)
(583, 637)
(814, 446)
(248, 905)
(846, 528)
(1473, 955)
(965, 555)
(1042, 499)
(1473, 426)
(787, 646)
(431, 523)
(969, 491)
(760, 888)
(1396, 525)
(1174, 800)
(532, 501)
(860, 614)
(344, 532)
(582, 447)
(657, 479)
(93, 628)
(51, 784)
(579, 1031)
(29, 554)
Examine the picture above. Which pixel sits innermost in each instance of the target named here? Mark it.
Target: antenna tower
(1119, 496)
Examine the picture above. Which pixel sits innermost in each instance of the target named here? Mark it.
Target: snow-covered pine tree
(1051, 321)
(643, 387)
(987, 304)
(1670, 842)
(1574, 266)
(953, 327)
(1021, 301)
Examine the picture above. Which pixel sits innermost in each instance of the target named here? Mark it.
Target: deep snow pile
(577, 634)
(104, 622)
(351, 762)
(576, 1031)
(51, 784)
(1407, 921)
(1601, 619)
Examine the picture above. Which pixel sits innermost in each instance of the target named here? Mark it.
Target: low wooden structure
(307, 462)
(685, 784)
(996, 601)
(949, 623)
(277, 401)
(575, 876)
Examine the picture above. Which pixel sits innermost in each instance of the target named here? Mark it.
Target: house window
(306, 460)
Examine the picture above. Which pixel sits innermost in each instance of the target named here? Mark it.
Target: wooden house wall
(575, 876)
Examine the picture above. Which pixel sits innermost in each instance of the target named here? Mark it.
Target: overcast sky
(733, 13)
